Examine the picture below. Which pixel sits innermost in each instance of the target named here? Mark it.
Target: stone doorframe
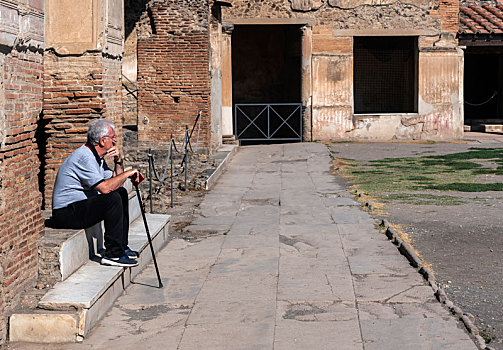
(306, 68)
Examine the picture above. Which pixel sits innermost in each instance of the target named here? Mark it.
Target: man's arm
(119, 167)
(118, 161)
(115, 182)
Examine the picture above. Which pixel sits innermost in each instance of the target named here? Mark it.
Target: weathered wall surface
(129, 69)
(21, 43)
(173, 71)
(332, 85)
(440, 93)
(112, 92)
(334, 24)
(82, 76)
(135, 20)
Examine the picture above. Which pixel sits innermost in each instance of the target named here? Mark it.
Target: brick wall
(129, 105)
(448, 11)
(20, 200)
(77, 89)
(173, 71)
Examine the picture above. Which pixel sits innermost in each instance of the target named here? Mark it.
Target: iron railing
(186, 150)
(268, 122)
(129, 90)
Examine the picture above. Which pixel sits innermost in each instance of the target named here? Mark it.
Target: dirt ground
(463, 243)
(185, 201)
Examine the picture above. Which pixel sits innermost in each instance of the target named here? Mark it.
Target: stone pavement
(293, 262)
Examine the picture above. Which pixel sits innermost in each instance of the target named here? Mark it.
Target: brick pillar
(173, 71)
(82, 76)
(21, 103)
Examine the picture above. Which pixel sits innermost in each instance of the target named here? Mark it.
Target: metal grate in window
(385, 74)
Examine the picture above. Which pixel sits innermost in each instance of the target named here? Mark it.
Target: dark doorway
(266, 71)
(483, 85)
(385, 75)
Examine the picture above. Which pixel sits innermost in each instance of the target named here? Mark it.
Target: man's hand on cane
(136, 177)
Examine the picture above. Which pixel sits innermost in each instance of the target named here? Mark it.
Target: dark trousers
(112, 208)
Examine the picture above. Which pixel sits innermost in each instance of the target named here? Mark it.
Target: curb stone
(212, 179)
(410, 255)
(467, 318)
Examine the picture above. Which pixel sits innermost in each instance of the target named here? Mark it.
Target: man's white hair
(97, 129)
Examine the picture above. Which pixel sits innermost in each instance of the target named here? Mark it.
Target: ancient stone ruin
(259, 71)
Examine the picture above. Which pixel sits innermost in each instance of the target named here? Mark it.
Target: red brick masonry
(173, 72)
(20, 200)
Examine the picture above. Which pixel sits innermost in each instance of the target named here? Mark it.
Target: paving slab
(232, 312)
(416, 333)
(315, 311)
(392, 288)
(300, 266)
(375, 263)
(243, 336)
(293, 335)
(388, 311)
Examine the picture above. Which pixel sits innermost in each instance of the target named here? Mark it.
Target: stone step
(63, 251)
(229, 140)
(493, 127)
(70, 310)
(484, 127)
(222, 157)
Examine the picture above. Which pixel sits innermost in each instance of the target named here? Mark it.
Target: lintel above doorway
(267, 21)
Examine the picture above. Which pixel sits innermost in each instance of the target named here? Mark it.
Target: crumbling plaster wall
(334, 24)
(21, 48)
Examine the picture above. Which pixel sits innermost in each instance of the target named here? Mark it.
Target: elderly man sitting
(87, 192)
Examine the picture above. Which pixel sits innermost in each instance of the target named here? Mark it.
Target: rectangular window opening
(385, 75)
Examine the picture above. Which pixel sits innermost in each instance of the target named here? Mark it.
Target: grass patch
(423, 199)
(419, 178)
(469, 187)
(486, 336)
(489, 171)
(406, 179)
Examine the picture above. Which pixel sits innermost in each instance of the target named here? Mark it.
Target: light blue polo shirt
(78, 176)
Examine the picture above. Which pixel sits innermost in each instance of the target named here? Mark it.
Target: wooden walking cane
(136, 181)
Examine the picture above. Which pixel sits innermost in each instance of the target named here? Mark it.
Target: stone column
(306, 82)
(227, 121)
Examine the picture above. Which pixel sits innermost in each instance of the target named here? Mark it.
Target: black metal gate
(267, 122)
